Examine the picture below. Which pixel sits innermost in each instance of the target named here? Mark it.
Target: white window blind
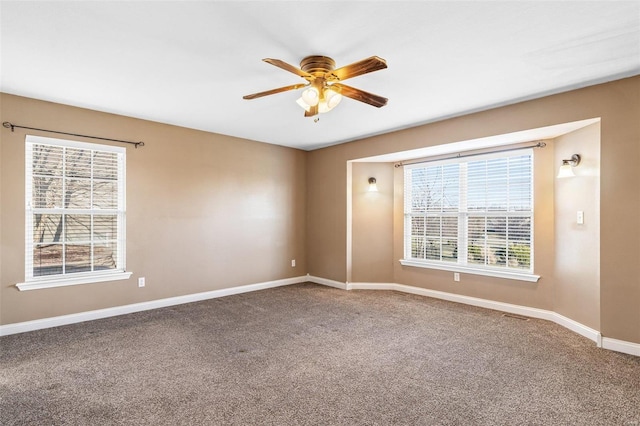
(75, 209)
(472, 212)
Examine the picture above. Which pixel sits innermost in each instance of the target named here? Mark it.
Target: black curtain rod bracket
(12, 126)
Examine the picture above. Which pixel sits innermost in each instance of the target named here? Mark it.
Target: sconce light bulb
(373, 187)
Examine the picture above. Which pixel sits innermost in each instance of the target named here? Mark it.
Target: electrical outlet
(293, 263)
(141, 282)
(456, 276)
(580, 218)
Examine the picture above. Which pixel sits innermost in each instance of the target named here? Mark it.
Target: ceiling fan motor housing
(317, 66)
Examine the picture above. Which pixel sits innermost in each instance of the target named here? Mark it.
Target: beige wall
(372, 223)
(577, 247)
(616, 103)
(204, 211)
(327, 237)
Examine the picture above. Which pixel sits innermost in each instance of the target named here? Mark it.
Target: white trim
(372, 286)
(581, 329)
(561, 320)
(506, 273)
(38, 324)
(576, 327)
(591, 334)
(324, 281)
(349, 252)
(621, 346)
(599, 341)
(458, 298)
(71, 280)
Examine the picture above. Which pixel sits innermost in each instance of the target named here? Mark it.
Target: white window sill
(72, 280)
(509, 274)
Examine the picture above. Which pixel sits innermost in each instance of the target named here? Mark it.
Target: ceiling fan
(324, 88)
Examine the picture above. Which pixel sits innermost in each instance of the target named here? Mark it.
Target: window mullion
(463, 222)
(120, 231)
(28, 268)
(91, 215)
(408, 197)
(486, 239)
(63, 216)
(506, 220)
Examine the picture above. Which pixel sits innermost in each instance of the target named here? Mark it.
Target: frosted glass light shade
(311, 96)
(373, 186)
(303, 104)
(332, 98)
(565, 171)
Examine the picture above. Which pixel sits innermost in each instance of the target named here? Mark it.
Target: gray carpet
(307, 354)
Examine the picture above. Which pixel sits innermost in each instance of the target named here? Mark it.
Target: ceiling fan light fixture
(322, 107)
(303, 104)
(332, 97)
(324, 89)
(311, 96)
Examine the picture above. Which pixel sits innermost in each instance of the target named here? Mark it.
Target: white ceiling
(190, 63)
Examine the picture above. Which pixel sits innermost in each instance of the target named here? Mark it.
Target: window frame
(461, 265)
(65, 279)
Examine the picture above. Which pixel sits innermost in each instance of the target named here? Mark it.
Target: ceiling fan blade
(364, 66)
(274, 91)
(285, 66)
(312, 111)
(361, 95)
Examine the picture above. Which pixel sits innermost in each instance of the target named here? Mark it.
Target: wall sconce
(373, 187)
(566, 170)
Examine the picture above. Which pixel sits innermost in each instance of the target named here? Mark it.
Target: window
(471, 215)
(75, 213)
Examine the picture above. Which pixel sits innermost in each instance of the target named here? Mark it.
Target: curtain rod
(538, 145)
(12, 126)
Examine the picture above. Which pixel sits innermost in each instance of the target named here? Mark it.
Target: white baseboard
(621, 346)
(467, 300)
(371, 286)
(594, 335)
(324, 281)
(22, 327)
(578, 328)
(581, 329)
